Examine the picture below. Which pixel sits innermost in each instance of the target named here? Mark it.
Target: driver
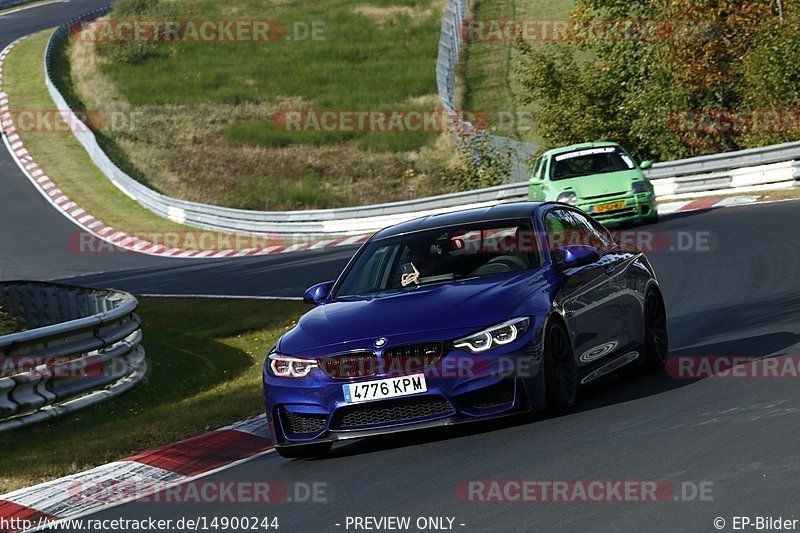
(420, 256)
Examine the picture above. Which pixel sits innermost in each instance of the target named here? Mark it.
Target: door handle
(609, 269)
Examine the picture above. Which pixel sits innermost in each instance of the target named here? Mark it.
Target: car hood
(436, 312)
(600, 184)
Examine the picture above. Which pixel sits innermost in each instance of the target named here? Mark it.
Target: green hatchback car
(600, 178)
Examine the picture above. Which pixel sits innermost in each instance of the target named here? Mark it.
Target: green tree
(664, 78)
(705, 61)
(771, 81)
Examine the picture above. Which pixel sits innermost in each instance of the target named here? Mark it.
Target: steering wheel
(498, 265)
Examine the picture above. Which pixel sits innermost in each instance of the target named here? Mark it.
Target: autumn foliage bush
(700, 82)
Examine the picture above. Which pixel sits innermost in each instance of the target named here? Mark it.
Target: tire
(656, 340)
(561, 381)
(304, 451)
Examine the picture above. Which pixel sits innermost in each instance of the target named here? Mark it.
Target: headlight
(494, 336)
(283, 366)
(642, 186)
(568, 197)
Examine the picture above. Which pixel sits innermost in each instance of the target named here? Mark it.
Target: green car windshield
(590, 161)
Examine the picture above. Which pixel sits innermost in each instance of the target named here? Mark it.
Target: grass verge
(786, 194)
(208, 125)
(486, 72)
(205, 358)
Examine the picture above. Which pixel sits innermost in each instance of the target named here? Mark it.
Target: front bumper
(460, 388)
(636, 207)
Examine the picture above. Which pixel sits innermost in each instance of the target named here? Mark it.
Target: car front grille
(350, 365)
(404, 359)
(411, 357)
(608, 195)
(302, 424)
(628, 211)
(389, 412)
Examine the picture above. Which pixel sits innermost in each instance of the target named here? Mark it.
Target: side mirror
(575, 255)
(316, 294)
(646, 164)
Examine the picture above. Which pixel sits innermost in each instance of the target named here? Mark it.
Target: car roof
(465, 216)
(574, 147)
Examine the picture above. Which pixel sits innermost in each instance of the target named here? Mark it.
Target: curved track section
(738, 297)
(35, 237)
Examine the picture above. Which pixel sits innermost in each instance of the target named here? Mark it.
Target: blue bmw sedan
(463, 316)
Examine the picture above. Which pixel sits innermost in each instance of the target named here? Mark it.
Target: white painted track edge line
(223, 297)
(24, 8)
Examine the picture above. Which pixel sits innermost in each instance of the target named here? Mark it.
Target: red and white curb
(101, 231)
(149, 472)
(669, 208)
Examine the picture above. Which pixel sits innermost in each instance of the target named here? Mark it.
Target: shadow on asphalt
(677, 215)
(615, 389)
(756, 346)
(667, 217)
(628, 386)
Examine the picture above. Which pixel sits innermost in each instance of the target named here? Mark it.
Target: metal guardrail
(782, 174)
(671, 179)
(451, 41)
(81, 346)
(726, 161)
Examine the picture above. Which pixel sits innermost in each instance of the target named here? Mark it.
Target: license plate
(611, 206)
(384, 388)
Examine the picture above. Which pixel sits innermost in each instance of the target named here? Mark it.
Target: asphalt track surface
(737, 296)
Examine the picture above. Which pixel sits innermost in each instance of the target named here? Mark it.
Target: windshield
(590, 161)
(440, 255)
